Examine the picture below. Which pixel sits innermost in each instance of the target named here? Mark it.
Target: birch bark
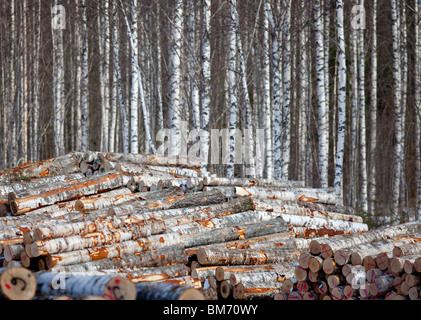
(341, 102)
(321, 95)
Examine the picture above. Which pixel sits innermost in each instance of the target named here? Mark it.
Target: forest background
(323, 91)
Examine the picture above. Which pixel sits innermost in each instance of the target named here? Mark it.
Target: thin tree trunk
(134, 93)
(118, 80)
(106, 80)
(373, 115)
(321, 94)
(272, 149)
(58, 61)
(397, 100)
(418, 108)
(84, 101)
(232, 89)
(286, 110)
(362, 112)
(175, 103)
(206, 78)
(341, 103)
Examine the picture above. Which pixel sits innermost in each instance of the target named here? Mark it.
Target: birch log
(218, 256)
(166, 291)
(55, 166)
(17, 283)
(243, 182)
(108, 286)
(96, 185)
(293, 194)
(155, 160)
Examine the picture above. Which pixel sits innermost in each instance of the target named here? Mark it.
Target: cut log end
(18, 284)
(191, 294)
(120, 288)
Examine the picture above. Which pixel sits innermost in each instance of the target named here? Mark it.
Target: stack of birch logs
(131, 226)
(380, 264)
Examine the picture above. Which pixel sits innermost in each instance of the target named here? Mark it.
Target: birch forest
(322, 91)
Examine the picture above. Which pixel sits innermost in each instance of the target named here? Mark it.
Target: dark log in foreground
(108, 286)
(166, 291)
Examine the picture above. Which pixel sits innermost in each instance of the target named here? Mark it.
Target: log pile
(380, 264)
(131, 226)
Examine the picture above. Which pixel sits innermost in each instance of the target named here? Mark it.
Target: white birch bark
(286, 112)
(272, 149)
(57, 34)
(134, 93)
(25, 87)
(84, 101)
(175, 103)
(397, 99)
(12, 145)
(246, 97)
(206, 77)
(106, 80)
(323, 115)
(303, 96)
(192, 43)
(35, 150)
(232, 89)
(373, 114)
(341, 102)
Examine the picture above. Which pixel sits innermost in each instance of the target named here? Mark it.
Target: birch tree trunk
(134, 93)
(418, 108)
(373, 114)
(272, 147)
(286, 110)
(106, 79)
(321, 95)
(117, 78)
(206, 78)
(85, 79)
(12, 157)
(232, 89)
(175, 102)
(303, 96)
(362, 111)
(35, 152)
(341, 103)
(398, 148)
(58, 87)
